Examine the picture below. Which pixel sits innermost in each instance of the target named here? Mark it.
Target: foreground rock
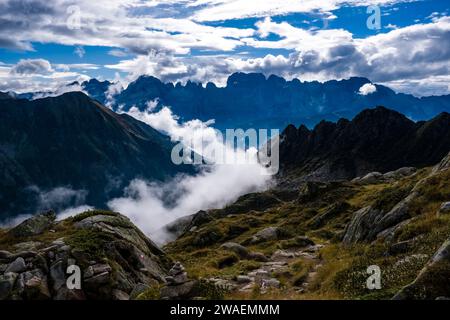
(34, 226)
(115, 259)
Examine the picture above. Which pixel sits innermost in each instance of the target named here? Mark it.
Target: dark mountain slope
(74, 141)
(375, 140)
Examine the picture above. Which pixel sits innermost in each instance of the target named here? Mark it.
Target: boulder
(120, 295)
(398, 214)
(370, 178)
(17, 266)
(361, 225)
(182, 291)
(58, 275)
(177, 275)
(243, 279)
(399, 173)
(267, 234)
(35, 285)
(35, 225)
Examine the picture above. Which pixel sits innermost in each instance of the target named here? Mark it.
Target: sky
(404, 44)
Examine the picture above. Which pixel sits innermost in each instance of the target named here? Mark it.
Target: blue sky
(46, 44)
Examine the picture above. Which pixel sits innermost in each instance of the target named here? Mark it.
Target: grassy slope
(342, 274)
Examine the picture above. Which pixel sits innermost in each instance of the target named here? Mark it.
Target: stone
(120, 295)
(270, 283)
(89, 272)
(7, 282)
(17, 266)
(267, 234)
(99, 279)
(399, 173)
(370, 178)
(176, 269)
(398, 214)
(34, 225)
(36, 286)
(101, 268)
(243, 279)
(361, 225)
(58, 275)
(182, 291)
(282, 255)
(236, 248)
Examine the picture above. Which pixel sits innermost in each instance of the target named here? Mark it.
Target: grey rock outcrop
(360, 227)
(35, 225)
(113, 255)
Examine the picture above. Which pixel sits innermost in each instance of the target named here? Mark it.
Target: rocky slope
(317, 239)
(115, 259)
(313, 241)
(73, 141)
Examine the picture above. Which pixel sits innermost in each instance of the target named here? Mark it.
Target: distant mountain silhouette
(375, 140)
(74, 141)
(252, 100)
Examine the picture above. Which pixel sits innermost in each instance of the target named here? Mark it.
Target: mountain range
(254, 101)
(73, 141)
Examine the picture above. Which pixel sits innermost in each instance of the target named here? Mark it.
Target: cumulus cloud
(152, 206)
(214, 10)
(367, 89)
(163, 40)
(32, 67)
(39, 75)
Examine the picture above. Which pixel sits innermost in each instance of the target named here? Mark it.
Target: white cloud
(39, 75)
(32, 67)
(237, 9)
(214, 187)
(79, 51)
(367, 89)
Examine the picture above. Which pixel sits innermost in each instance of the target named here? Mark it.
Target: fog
(214, 187)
